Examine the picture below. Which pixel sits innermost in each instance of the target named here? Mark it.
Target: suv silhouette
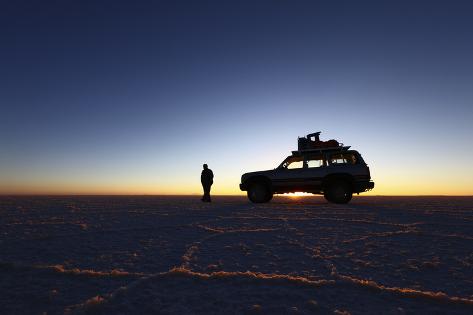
(335, 172)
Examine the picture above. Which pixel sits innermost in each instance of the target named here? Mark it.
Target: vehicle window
(315, 161)
(343, 158)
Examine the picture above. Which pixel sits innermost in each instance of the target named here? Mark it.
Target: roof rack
(319, 150)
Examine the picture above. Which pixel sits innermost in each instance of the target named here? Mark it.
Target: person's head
(206, 166)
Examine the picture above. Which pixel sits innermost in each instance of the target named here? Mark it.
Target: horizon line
(196, 195)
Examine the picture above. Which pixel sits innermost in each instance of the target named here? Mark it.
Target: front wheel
(338, 192)
(259, 193)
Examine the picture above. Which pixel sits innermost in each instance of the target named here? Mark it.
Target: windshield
(292, 162)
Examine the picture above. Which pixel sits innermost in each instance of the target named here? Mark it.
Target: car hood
(245, 176)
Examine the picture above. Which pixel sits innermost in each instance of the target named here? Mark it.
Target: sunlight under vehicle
(336, 172)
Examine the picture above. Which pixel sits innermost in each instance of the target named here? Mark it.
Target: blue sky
(120, 97)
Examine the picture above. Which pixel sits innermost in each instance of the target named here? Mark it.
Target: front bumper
(363, 186)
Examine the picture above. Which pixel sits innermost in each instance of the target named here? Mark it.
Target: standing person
(207, 179)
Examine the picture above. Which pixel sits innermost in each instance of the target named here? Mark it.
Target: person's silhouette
(207, 179)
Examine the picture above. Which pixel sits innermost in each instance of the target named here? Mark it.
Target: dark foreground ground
(176, 255)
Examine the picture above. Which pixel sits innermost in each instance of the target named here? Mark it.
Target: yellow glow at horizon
(387, 182)
(383, 187)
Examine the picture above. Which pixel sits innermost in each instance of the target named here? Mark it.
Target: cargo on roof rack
(339, 148)
(312, 141)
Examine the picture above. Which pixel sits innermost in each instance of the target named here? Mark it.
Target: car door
(290, 175)
(314, 171)
(342, 162)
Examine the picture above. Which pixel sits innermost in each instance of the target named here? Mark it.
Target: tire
(338, 192)
(327, 196)
(259, 193)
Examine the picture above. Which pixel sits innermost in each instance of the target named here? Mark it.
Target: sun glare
(298, 194)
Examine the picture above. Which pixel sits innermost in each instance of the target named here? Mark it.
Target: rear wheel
(338, 192)
(259, 193)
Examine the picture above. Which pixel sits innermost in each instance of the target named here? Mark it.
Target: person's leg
(207, 193)
(204, 197)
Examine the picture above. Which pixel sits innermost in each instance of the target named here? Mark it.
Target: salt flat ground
(177, 255)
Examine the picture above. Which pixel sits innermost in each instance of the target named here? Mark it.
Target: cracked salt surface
(175, 255)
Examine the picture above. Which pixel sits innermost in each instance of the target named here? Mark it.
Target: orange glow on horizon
(387, 185)
(381, 190)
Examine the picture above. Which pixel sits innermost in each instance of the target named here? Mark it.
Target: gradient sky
(133, 96)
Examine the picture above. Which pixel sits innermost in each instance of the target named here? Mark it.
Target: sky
(132, 97)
